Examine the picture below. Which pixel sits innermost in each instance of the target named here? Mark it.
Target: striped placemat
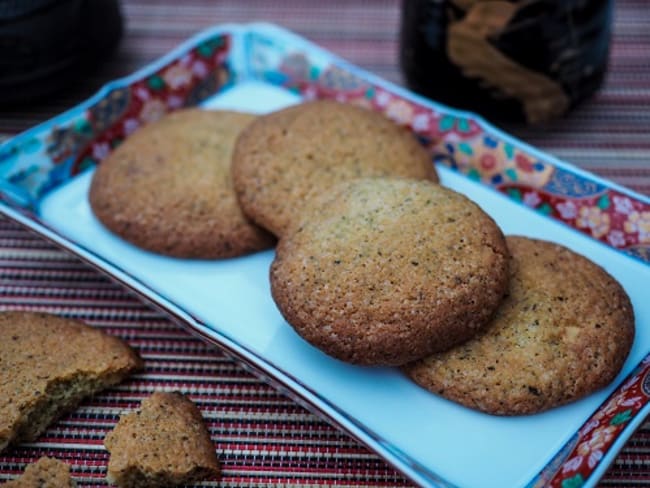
(263, 437)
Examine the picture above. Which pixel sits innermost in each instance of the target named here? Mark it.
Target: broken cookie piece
(49, 365)
(44, 473)
(164, 443)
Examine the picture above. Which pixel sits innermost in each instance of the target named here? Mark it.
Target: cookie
(563, 332)
(164, 443)
(168, 189)
(44, 473)
(284, 158)
(382, 271)
(49, 365)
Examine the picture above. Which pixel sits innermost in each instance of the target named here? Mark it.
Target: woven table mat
(264, 438)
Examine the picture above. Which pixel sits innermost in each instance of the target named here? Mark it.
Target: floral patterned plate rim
(44, 174)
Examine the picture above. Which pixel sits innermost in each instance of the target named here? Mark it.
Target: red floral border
(573, 465)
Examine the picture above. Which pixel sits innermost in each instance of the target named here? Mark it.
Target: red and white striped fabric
(262, 437)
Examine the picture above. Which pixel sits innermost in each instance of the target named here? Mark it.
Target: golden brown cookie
(164, 443)
(44, 473)
(49, 364)
(384, 270)
(284, 158)
(168, 189)
(563, 332)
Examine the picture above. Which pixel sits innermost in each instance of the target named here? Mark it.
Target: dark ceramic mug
(45, 44)
(514, 60)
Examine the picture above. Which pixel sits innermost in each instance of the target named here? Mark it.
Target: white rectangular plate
(433, 441)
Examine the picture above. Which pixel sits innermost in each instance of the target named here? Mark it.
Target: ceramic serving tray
(44, 179)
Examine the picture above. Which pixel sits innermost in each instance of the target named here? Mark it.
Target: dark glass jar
(46, 45)
(516, 60)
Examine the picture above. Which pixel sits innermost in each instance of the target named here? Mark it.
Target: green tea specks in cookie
(44, 473)
(168, 188)
(284, 158)
(563, 332)
(49, 364)
(164, 443)
(386, 270)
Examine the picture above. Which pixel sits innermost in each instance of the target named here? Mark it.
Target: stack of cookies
(376, 263)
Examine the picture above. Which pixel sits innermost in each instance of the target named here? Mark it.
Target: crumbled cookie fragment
(164, 443)
(44, 473)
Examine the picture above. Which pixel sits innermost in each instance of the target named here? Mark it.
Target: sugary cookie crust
(386, 270)
(285, 158)
(168, 188)
(563, 332)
